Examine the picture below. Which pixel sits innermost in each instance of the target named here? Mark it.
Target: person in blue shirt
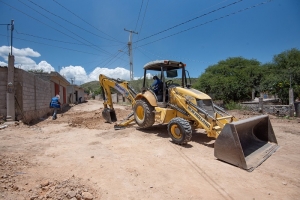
(156, 84)
(55, 104)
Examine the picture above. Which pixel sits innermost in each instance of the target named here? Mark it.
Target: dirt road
(79, 156)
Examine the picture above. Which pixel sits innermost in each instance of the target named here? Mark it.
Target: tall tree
(231, 80)
(281, 74)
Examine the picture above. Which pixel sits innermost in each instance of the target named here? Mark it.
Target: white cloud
(46, 67)
(3, 63)
(118, 72)
(148, 75)
(20, 53)
(25, 52)
(80, 75)
(23, 60)
(77, 73)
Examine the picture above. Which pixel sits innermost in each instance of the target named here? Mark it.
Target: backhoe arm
(119, 85)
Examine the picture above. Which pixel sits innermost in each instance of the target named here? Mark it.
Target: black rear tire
(143, 114)
(180, 130)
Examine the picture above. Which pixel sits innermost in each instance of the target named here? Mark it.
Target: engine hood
(192, 93)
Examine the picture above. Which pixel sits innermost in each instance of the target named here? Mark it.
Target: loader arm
(122, 87)
(199, 115)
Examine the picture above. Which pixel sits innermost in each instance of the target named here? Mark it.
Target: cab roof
(167, 64)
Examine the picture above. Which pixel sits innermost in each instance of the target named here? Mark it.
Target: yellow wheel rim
(175, 131)
(140, 112)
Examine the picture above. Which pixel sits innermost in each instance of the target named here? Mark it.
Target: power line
(207, 22)
(51, 45)
(115, 56)
(143, 53)
(178, 58)
(41, 21)
(139, 15)
(57, 40)
(85, 21)
(62, 27)
(182, 23)
(68, 21)
(143, 18)
(7, 28)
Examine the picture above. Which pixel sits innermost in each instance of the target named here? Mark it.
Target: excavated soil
(80, 156)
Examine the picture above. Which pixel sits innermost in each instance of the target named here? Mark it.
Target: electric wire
(41, 21)
(144, 53)
(139, 15)
(140, 30)
(67, 20)
(114, 56)
(52, 45)
(7, 29)
(216, 19)
(20, 33)
(168, 56)
(86, 21)
(182, 23)
(65, 28)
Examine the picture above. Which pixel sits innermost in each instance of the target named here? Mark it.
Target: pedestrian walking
(55, 104)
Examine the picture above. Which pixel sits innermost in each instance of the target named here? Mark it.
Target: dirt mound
(72, 188)
(13, 185)
(89, 119)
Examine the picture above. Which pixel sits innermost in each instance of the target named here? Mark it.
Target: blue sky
(81, 39)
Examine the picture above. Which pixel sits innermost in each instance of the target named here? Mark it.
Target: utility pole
(11, 34)
(130, 52)
(10, 95)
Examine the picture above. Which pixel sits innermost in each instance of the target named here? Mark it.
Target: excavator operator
(156, 84)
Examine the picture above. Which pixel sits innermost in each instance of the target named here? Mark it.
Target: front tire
(180, 130)
(143, 114)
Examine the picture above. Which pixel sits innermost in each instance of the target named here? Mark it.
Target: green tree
(98, 90)
(281, 74)
(231, 80)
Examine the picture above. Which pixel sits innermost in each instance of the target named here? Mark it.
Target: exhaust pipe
(246, 143)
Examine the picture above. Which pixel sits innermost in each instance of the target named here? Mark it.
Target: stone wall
(280, 110)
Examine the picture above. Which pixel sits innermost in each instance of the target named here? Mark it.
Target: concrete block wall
(33, 97)
(32, 92)
(3, 86)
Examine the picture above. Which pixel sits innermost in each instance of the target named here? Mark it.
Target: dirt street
(79, 156)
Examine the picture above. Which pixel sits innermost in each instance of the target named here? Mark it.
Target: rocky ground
(79, 156)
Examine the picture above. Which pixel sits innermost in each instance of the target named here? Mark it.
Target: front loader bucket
(109, 115)
(246, 143)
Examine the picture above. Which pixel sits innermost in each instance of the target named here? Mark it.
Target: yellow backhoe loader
(243, 143)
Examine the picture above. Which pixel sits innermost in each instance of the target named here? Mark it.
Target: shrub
(231, 105)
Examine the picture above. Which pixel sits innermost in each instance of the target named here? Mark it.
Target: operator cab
(171, 74)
